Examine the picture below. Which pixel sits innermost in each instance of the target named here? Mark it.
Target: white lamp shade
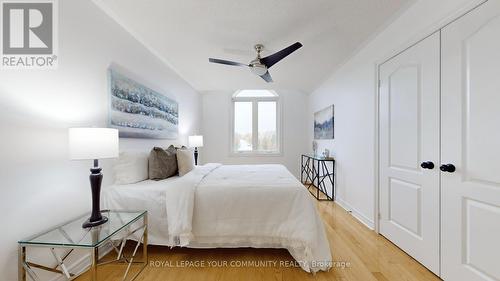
(93, 143)
(195, 141)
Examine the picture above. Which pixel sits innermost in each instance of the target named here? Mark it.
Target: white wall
(352, 88)
(40, 186)
(216, 116)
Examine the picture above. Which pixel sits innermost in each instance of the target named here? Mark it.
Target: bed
(214, 205)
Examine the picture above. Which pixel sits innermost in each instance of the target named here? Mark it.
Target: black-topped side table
(70, 236)
(313, 173)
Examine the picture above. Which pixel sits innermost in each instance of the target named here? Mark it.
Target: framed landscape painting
(323, 124)
(140, 112)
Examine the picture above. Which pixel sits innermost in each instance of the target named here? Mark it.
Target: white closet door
(471, 142)
(409, 136)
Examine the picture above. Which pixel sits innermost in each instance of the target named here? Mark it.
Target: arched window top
(255, 94)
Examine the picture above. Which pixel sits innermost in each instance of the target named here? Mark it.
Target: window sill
(256, 154)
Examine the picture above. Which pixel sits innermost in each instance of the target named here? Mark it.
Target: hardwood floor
(367, 256)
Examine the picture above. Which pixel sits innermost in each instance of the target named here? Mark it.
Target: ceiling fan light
(259, 69)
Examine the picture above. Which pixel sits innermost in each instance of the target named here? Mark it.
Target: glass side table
(69, 236)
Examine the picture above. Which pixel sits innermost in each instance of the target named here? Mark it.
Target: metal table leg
(145, 241)
(93, 266)
(302, 169)
(60, 262)
(21, 261)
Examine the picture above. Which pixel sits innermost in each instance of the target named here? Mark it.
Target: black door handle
(427, 165)
(450, 168)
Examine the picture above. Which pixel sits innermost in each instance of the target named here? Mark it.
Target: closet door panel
(409, 136)
(471, 142)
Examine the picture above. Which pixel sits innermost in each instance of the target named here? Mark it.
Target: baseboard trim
(355, 213)
(83, 263)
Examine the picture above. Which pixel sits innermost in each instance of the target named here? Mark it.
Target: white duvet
(260, 206)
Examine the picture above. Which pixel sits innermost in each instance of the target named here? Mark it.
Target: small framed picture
(323, 124)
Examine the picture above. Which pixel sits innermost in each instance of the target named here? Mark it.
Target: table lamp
(93, 144)
(195, 141)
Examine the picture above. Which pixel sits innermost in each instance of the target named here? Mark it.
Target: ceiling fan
(260, 65)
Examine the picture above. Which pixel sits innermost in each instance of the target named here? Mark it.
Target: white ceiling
(186, 33)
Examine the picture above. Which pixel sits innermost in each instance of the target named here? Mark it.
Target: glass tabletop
(72, 234)
(319, 157)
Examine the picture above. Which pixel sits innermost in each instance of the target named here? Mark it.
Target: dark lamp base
(95, 186)
(89, 223)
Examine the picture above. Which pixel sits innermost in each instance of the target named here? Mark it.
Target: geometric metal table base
(123, 258)
(313, 173)
(26, 268)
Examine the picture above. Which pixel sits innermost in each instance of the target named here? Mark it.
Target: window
(256, 123)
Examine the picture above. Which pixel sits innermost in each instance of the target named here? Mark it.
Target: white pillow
(131, 167)
(185, 161)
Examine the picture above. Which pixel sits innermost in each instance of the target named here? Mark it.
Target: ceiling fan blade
(267, 77)
(227, 62)
(276, 57)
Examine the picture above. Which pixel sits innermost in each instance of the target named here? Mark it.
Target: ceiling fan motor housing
(257, 67)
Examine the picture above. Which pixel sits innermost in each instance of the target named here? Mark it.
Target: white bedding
(261, 206)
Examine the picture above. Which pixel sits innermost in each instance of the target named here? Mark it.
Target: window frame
(255, 125)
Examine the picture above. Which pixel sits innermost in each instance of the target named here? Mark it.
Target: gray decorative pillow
(162, 163)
